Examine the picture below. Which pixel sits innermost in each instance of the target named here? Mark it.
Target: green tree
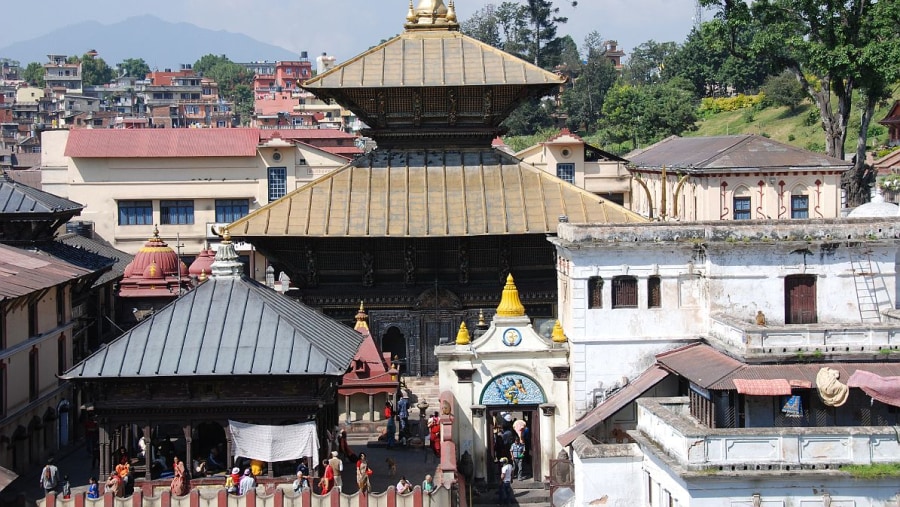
(484, 25)
(647, 60)
(235, 82)
(784, 90)
(543, 19)
(94, 70)
(504, 27)
(832, 48)
(530, 117)
(646, 114)
(583, 102)
(135, 67)
(34, 74)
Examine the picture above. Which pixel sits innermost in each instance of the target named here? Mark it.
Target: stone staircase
(524, 493)
(419, 388)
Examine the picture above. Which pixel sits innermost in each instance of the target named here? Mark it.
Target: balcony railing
(789, 340)
(663, 422)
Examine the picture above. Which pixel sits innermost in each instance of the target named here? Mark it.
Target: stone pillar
(103, 437)
(188, 455)
(347, 407)
(149, 451)
(372, 407)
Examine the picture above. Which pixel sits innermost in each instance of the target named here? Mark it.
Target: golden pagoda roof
(432, 58)
(437, 193)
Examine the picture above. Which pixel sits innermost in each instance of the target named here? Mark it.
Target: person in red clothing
(327, 480)
(434, 433)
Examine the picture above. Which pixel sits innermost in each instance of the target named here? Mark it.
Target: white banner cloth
(275, 443)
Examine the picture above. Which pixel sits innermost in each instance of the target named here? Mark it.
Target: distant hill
(160, 43)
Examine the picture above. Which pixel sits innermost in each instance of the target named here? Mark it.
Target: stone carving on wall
(368, 268)
(440, 298)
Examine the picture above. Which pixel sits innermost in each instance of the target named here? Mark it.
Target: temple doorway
(394, 343)
(503, 418)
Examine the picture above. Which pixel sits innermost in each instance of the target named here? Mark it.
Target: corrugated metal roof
(699, 363)
(432, 58)
(614, 403)
(16, 198)
(161, 143)
(805, 372)
(716, 153)
(439, 193)
(23, 272)
(763, 387)
(225, 327)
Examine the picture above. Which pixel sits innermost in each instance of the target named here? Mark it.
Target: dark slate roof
(226, 327)
(83, 257)
(23, 272)
(21, 199)
(120, 258)
(738, 152)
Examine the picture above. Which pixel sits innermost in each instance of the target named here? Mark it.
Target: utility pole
(178, 245)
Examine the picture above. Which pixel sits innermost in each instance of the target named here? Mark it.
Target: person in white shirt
(505, 492)
(404, 486)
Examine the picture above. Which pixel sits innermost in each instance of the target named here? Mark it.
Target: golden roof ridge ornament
(510, 304)
(558, 335)
(361, 318)
(463, 337)
(432, 15)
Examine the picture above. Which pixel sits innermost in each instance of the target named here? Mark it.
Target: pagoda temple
(154, 278)
(426, 227)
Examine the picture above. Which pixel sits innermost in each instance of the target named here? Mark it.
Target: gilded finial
(411, 15)
(155, 233)
(226, 235)
(510, 304)
(463, 337)
(202, 277)
(361, 318)
(451, 12)
(558, 335)
(481, 321)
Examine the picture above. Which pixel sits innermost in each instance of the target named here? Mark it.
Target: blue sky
(342, 28)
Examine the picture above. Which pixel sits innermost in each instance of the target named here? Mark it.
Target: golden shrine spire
(510, 304)
(431, 15)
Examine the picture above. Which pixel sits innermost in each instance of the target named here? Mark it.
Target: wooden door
(800, 299)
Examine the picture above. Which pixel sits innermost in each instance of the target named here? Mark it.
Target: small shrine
(509, 377)
(154, 278)
(371, 381)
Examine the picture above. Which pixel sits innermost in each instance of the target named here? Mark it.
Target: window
(624, 292)
(277, 183)
(595, 292)
(135, 212)
(33, 374)
(176, 212)
(742, 208)
(229, 210)
(566, 172)
(799, 206)
(32, 319)
(61, 354)
(654, 292)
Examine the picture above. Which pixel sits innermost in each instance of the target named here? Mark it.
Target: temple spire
(431, 15)
(228, 263)
(510, 304)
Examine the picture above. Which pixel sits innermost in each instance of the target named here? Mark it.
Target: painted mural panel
(512, 389)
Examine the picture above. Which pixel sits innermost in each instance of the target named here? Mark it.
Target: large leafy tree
(833, 49)
(234, 81)
(647, 61)
(583, 101)
(646, 114)
(543, 18)
(34, 74)
(135, 67)
(94, 70)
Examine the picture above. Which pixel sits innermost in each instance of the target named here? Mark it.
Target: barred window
(654, 292)
(230, 210)
(595, 292)
(624, 292)
(135, 212)
(277, 183)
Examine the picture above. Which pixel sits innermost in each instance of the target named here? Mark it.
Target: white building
(777, 302)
